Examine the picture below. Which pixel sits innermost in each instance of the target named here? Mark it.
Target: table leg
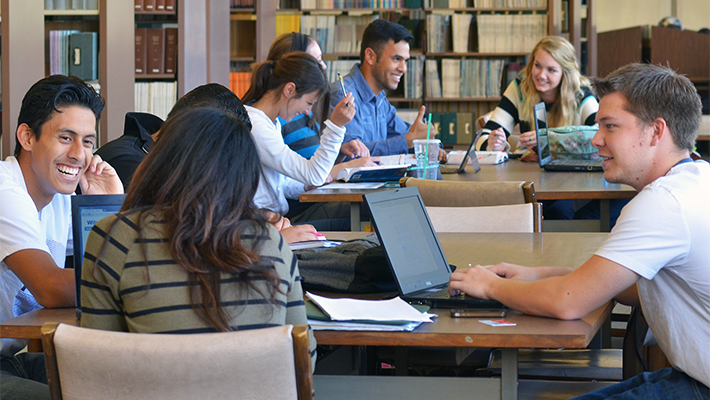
(605, 215)
(509, 374)
(354, 217)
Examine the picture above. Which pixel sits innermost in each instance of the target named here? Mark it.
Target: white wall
(619, 14)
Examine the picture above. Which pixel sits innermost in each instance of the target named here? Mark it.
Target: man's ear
(26, 137)
(370, 56)
(659, 129)
(289, 90)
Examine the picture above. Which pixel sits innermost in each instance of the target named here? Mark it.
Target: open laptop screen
(409, 239)
(86, 211)
(543, 141)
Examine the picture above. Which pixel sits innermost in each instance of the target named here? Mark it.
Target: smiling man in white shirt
(657, 255)
(55, 137)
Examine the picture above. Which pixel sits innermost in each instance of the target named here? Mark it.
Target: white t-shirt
(22, 228)
(285, 171)
(663, 234)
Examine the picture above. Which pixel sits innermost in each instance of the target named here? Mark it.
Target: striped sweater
(121, 294)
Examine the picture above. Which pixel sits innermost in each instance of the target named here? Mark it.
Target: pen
(342, 86)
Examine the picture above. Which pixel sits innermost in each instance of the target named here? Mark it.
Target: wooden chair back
(271, 363)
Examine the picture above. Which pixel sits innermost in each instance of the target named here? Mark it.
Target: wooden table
(548, 186)
(534, 249)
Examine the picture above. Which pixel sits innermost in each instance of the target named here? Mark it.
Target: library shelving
(25, 60)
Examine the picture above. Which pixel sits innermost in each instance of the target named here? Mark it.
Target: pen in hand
(342, 86)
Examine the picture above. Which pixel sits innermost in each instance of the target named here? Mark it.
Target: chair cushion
(96, 364)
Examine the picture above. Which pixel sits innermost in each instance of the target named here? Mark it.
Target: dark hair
(212, 95)
(50, 94)
(654, 91)
(297, 67)
(200, 179)
(289, 43)
(379, 33)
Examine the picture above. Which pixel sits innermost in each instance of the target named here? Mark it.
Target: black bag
(355, 266)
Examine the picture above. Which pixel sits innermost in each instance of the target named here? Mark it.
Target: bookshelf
(24, 59)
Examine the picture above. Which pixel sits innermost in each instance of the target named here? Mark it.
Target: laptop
(413, 250)
(545, 154)
(86, 211)
(471, 152)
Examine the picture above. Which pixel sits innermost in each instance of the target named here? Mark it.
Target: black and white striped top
(506, 114)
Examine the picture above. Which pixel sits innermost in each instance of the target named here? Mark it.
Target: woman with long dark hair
(189, 252)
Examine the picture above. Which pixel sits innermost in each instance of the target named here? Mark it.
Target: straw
(426, 152)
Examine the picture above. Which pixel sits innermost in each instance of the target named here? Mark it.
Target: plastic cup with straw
(426, 151)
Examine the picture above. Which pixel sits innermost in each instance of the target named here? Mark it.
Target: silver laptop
(545, 155)
(413, 250)
(86, 211)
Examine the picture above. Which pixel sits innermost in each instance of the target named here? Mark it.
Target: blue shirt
(299, 137)
(375, 123)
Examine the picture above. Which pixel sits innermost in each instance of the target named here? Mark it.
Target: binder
(464, 128)
(83, 55)
(448, 128)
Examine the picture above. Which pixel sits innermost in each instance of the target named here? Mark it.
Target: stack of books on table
(363, 315)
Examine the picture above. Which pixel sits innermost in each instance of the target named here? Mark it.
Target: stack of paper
(366, 315)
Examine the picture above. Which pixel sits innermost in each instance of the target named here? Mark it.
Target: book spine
(169, 5)
(148, 5)
(141, 50)
(138, 5)
(155, 50)
(159, 5)
(171, 48)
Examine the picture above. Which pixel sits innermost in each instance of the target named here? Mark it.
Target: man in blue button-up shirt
(383, 55)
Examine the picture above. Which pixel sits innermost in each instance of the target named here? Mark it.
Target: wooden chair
(480, 206)
(272, 363)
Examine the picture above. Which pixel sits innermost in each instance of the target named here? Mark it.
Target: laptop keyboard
(575, 162)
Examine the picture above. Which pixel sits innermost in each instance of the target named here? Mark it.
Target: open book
(378, 173)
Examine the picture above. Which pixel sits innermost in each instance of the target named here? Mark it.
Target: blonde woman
(552, 76)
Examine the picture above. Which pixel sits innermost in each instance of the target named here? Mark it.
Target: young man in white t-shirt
(55, 137)
(657, 255)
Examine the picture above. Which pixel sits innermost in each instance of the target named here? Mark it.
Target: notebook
(545, 155)
(413, 250)
(471, 152)
(86, 211)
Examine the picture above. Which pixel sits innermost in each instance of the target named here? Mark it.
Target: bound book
(379, 173)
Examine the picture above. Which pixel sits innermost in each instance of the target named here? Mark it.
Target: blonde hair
(562, 111)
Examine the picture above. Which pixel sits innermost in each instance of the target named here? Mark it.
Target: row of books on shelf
(510, 33)
(156, 98)
(509, 3)
(71, 4)
(241, 3)
(396, 4)
(74, 52)
(154, 5)
(239, 83)
(485, 33)
(340, 4)
(461, 78)
(156, 50)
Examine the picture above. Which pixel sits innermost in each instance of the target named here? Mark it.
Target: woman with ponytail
(287, 88)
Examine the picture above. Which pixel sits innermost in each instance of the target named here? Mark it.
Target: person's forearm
(525, 296)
